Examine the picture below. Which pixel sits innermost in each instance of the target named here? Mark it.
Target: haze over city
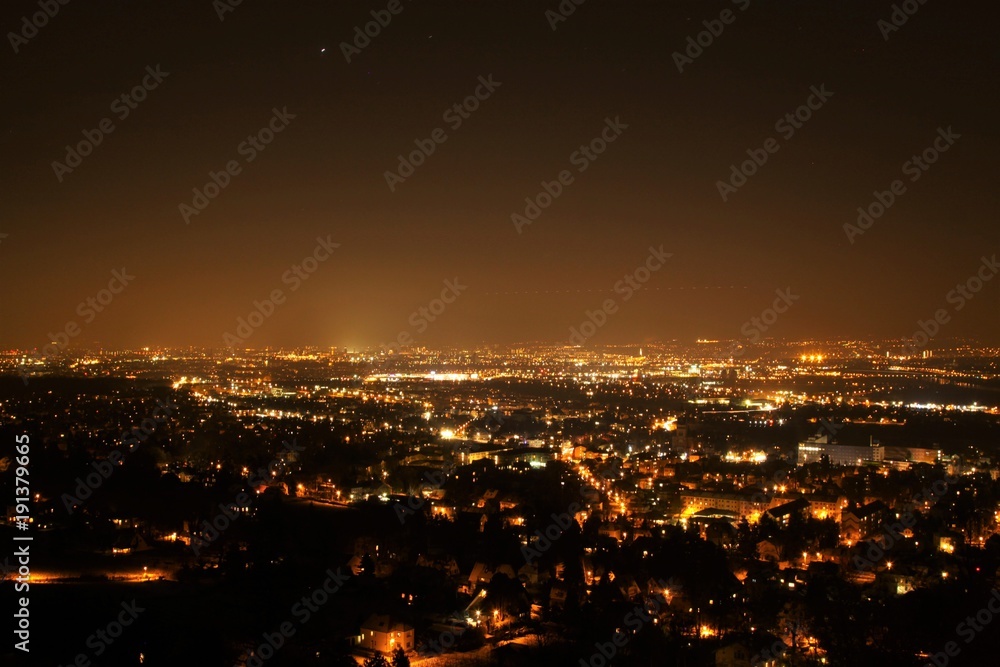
(655, 184)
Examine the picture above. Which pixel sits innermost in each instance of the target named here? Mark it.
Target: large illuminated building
(815, 448)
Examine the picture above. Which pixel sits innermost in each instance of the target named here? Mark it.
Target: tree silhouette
(377, 660)
(399, 658)
(793, 621)
(506, 597)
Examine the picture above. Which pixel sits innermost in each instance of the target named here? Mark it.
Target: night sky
(324, 174)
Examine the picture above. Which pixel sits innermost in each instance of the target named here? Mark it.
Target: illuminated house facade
(381, 633)
(742, 504)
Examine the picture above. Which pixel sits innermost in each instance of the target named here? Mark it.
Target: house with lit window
(783, 513)
(734, 655)
(857, 523)
(380, 632)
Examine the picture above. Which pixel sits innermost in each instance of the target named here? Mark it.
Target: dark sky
(656, 184)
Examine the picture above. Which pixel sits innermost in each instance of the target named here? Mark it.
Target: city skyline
(784, 507)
